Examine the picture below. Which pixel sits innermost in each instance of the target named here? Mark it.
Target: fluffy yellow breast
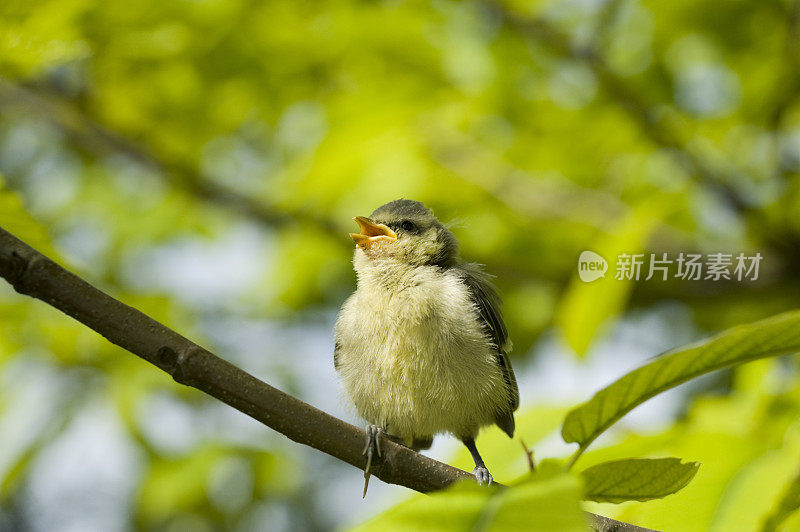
(413, 356)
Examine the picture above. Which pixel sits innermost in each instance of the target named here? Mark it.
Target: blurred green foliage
(547, 500)
(235, 133)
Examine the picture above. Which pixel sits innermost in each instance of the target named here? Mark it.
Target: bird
(420, 346)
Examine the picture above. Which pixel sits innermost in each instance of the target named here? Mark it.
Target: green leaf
(548, 500)
(770, 337)
(790, 503)
(761, 487)
(637, 479)
(748, 447)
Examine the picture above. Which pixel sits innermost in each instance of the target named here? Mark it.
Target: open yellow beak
(371, 233)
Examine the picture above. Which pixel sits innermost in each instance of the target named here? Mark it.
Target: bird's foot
(372, 447)
(482, 475)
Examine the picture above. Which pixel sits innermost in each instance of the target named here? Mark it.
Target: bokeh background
(201, 160)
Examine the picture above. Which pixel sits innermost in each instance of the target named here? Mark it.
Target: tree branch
(88, 135)
(33, 274)
(660, 131)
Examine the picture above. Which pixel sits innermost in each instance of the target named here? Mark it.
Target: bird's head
(405, 231)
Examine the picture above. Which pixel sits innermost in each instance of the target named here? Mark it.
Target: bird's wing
(488, 302)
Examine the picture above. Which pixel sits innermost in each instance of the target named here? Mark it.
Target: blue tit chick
(421, 346)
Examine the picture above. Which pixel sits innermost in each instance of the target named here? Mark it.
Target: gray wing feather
(485, 297)
(488, 302)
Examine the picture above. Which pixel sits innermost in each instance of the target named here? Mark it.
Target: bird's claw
(373, 442)
(373, 446)
(482, 475)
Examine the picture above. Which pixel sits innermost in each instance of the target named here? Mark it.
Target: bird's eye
(407, 225)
